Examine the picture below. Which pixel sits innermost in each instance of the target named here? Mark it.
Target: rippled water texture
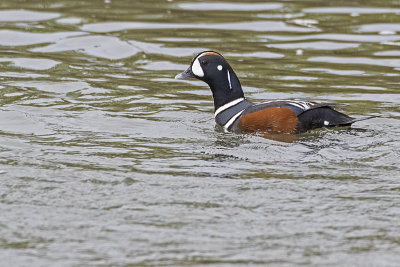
(106, 160)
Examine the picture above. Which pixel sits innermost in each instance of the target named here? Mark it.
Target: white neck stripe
(229, 80)
(228, 105)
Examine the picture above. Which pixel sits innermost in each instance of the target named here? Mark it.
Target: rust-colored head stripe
(211, 53)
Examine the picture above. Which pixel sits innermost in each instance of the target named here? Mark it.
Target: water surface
(107, 160)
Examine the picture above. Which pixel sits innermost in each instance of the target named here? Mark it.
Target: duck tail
(353, 120)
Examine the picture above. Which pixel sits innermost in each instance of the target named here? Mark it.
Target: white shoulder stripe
(300, 104)
(232, 120)
(228, 105)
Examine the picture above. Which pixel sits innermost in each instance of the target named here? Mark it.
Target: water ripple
(231, 6)
(97, 46)
(26, 15)
(32, 63)
(19, 38)
(106, 159)
(352, 10)
(263, 26)
(359, 60)
(316, 45)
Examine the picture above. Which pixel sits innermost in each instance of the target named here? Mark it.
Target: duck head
(212, 68)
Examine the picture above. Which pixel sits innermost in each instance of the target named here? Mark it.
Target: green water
(107, 160)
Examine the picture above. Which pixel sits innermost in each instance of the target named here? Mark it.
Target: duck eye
(204, 62)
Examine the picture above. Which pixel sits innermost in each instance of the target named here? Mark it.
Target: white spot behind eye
(326, 123)
(219, 67)
(196, 68)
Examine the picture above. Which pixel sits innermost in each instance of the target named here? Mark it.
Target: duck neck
(225, 88)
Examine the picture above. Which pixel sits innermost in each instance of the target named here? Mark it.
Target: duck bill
(187, 74)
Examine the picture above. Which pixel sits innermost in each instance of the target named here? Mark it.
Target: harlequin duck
(235, 113)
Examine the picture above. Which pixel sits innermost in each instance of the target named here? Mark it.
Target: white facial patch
(219, 67)
(196, 68)
(326, 123)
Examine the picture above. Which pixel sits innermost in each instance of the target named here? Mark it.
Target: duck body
(235, 113)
